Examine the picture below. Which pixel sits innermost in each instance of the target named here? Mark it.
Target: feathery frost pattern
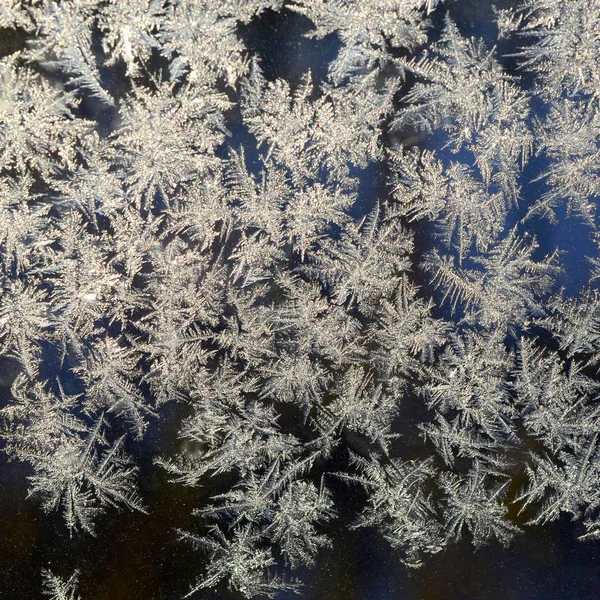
(180, 227)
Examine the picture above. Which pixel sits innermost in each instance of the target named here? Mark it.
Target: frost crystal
(304, 265)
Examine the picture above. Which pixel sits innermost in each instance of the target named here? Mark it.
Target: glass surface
(138, 555)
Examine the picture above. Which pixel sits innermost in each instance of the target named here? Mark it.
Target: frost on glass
(179, 226)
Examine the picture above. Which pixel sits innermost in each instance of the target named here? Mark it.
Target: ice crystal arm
(131, 29)
(307, 137)
(470, 504)
(564, 47)
(38, 130)
(58, 588)
(24, 318)
(155, 143)
(405, 332)
(462, 207)
(366, 30)
(553, 396)
(468, 381)
(84, 476)
(201, 36)
(568, 485)
(398, 506)
(464, 91)
(576, 324)
(569, 138)
(241, 561)
(64, 44)
(109, 372)
(507, 290)
(300, 507)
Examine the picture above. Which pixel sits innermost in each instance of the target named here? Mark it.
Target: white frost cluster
(179, 226)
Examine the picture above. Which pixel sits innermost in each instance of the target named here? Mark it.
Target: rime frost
(177, 225)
